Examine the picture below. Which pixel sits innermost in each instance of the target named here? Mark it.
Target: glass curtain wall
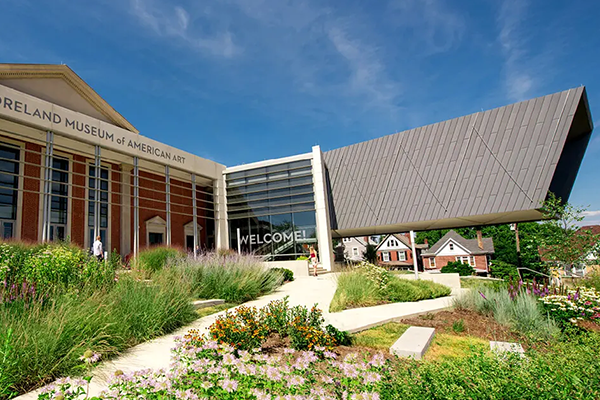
(271, 210)
(9, 189)
(103, 197)
(59, 205)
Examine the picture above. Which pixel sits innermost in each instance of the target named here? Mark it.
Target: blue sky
(245, 80)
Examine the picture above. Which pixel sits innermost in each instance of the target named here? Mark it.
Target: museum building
(72, 168)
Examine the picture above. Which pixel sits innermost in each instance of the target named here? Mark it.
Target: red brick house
(454, 247)
(396, 251)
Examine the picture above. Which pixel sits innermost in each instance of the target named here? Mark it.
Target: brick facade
(481, 262)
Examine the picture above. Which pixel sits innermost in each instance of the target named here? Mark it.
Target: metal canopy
(490, 167)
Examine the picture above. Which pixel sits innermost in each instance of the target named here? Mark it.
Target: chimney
(426, 241)
(479, 239)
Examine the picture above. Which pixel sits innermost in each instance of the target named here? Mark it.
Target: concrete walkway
(305, 291)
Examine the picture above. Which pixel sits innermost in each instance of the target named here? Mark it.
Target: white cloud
(175, 23)
(436, 26)
(518, 80)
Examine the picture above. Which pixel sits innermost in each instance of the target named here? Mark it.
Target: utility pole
(515, 227)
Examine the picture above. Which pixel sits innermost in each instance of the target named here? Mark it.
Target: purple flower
(229, 385)
(482, 295)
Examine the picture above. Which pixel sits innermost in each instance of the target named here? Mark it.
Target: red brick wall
(31, 201)
(394, 256)
(442, 261)
(78, 200)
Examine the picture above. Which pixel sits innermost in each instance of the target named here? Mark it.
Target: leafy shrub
(288, 275)
(503, 270)
(234, 278)
(458, 267)
(592, 280)
(458, 326)
(376, 274)
(242, 328)
(156, 258)
(50, 269)
(342, 338)
(248, 328)
(302, 258)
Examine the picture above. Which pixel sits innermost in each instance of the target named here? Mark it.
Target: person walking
(98, 249)
(313, 259)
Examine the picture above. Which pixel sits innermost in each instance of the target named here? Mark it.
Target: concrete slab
(413, 343)
(198, 304)
(506, 347)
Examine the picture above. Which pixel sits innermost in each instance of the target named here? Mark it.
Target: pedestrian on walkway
(98, 249)
(313, 259)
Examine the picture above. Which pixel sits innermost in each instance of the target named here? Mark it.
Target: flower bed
(576, 305)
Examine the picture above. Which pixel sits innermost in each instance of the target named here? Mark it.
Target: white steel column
(168, 191)
(195, 213)
(221, 226)
(414, 254)
(322, 210)
(47, 195)
(136, 207)
(97, 187)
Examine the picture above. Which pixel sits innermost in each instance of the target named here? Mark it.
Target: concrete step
(413, 343)
(320, 271)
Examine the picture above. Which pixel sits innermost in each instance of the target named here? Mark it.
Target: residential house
(354, 247)
(454, 247)
(396, 251)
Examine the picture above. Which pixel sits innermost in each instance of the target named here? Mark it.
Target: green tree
(561, 241)
(370, 254)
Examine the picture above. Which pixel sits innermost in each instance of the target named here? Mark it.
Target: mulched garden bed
(475, 324)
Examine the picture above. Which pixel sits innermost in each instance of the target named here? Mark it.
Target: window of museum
(188, 230)
(59, 204)
(9, 190)
(103, 198)
(156, 231)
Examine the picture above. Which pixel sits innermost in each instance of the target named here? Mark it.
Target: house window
(59, 205)
(103, 199)
(386, 256)
(346, 240)
(470, 260)
(451, 246)
(432, 262)
(9, 192)
(355, 251)
(401, 256)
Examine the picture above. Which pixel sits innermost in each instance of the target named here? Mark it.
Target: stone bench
(413, 343)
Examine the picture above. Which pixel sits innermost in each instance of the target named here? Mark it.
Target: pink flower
(229, 385)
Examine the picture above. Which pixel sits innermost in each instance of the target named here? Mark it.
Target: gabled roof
(11, 73)
(470, 245)
(402, 239)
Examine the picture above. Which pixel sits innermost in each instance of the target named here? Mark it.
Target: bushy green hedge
(43, 341)
(287, 274)
(458, 267)
(52, 268)
(503, 270)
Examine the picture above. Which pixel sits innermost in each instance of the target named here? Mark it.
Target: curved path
(306, 291)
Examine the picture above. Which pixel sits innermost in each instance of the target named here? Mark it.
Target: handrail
(534, 271)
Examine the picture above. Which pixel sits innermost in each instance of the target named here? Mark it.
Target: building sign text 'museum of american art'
(18, 105)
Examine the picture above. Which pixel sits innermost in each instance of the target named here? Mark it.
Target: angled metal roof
(470, 244)
(490, 167)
